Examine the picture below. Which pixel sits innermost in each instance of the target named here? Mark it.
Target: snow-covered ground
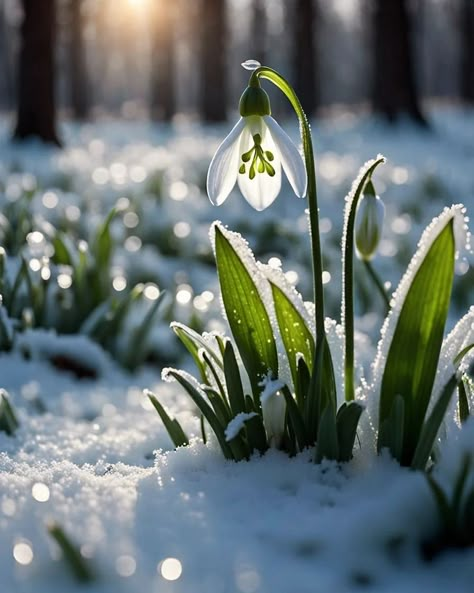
(92, 454)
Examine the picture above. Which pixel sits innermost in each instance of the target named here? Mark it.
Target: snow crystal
(237, 424)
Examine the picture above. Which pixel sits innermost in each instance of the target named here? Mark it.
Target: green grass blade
(206, 411)
(294, 332)
(413, 355)
(233, 381)
(102, 244)
(194, 343)
(246, 313)
(463, 402)
(295, 419)
(303, 382)
(431, 426)
(173, 427)
(8, 420)
(136, 350)
(74, 559)
(462, 354)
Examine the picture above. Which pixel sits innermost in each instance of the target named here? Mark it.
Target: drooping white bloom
(253, 154)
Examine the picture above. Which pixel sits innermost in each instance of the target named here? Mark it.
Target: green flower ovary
(258, 158)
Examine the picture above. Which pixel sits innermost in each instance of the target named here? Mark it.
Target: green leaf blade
(248, 318)
(413, 355)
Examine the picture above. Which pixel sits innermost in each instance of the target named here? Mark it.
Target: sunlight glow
(171, 569)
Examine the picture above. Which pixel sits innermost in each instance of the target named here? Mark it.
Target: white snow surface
(114, 482)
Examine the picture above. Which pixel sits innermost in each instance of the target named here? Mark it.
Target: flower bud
(254, 101)
(368, 225)
(273, 409)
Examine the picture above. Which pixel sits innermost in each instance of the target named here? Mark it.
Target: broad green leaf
(246, 313)
(413, 355)
(296, 336)
(233, 381)
(206, 411)
(173, 427)
(78, 565)
(430, 428)
(347, 420)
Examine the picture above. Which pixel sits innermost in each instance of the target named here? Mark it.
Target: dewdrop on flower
(253, 154)
(369, 223)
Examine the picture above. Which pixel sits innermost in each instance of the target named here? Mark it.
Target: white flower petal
(262, 190)
(291, 159)
(222, 172)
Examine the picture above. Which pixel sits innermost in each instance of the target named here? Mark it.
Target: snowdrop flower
(368, 224)
(253, 154)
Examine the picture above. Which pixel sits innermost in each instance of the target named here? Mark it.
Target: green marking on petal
(270, 170)
(260, 159)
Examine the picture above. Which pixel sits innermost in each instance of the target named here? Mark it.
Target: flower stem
(378, 283)
(287, 90)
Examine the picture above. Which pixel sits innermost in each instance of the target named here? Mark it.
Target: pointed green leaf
(206, 411)
(347, 420)
(256, 436)
(463, 402)
(430, 428)
(173, 427)
(294, 332)
(136, 350)
(246, 313)
(295, 419)
(392, 429)
(412, 358)
(327, 446)
(233, 381)
(8, 420)
(78, 565)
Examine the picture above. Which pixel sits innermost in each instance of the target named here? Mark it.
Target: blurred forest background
(161, 59)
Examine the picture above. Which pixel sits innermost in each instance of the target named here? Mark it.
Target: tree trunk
(304, 54)
(213, 61)
(162, 102)
(8, 85)
(36, 102)
(394, 90)
(467, 51)
(78, 76)
(259, 31)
